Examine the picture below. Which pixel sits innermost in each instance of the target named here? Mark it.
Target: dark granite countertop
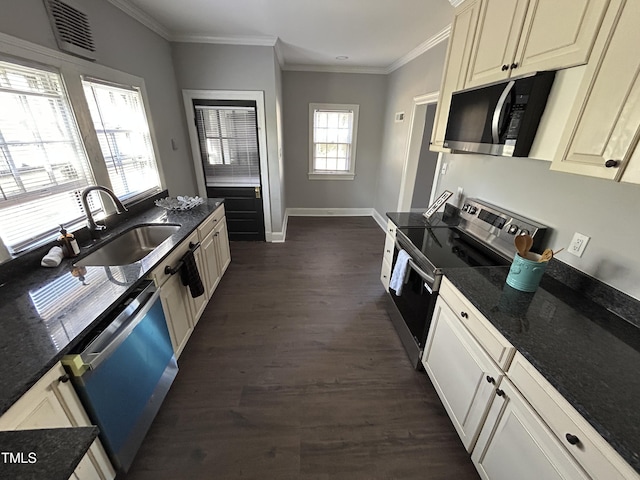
(417, 220)
(45, 312)
(38, 454)
(589, 354)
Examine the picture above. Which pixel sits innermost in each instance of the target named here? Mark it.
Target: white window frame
(72, 69)
(333, 175)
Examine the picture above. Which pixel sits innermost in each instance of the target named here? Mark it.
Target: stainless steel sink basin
(130, 246)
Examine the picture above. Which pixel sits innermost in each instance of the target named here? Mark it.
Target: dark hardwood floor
(295, 372)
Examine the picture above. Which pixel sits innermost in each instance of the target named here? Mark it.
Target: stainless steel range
(479, 234)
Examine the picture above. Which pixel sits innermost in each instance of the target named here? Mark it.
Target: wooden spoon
(548, 254)
(521, 245)
(529, 244)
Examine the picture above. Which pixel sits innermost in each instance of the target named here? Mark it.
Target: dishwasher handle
(111, 338)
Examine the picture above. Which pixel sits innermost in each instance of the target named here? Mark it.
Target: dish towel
(53, 258)
(190, 276)
(399, 272)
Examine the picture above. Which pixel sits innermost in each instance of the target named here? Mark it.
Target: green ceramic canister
(525, 274)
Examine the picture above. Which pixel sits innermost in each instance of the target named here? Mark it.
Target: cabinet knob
(63, 378)
(572, 439)
(514, 65)
(464, 314)
(500, 393)
(611, 163)
(490, 379)
(505, 68)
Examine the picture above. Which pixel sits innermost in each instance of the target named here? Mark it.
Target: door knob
(258, 193)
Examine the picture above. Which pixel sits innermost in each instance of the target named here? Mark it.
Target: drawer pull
(388, 251)
(572, 439)
(491, 379)
(500, 393)
(464, 314)
(65, 378)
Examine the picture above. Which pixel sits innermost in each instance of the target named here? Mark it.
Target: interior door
(228, 138)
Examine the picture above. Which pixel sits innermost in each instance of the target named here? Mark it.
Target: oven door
(415, 306)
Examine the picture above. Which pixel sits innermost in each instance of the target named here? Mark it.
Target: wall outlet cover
(578, 244)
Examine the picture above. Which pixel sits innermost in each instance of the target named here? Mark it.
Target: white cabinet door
(603, 129)
(53, 403)
(462, 373)
(496, 41)
(210, 261)
(558, 34)
(198, 304)
(175, 304)
(516, 444)
(221, 240)
(463, 30)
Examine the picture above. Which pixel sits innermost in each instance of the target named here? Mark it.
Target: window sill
(331, 176)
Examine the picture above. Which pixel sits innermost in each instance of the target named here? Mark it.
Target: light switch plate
(578, 244)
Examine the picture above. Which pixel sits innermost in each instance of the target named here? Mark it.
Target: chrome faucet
(93, 227)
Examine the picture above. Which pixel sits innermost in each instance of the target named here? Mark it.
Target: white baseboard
(329, 212)
(279, 237)
(380, 220)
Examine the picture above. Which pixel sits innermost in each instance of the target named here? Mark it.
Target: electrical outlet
(578, 244)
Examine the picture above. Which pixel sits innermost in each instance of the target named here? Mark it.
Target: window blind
(43, 164)
(123, 132)
(229, 145)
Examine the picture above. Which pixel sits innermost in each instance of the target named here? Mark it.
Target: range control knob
(472, 210)
(524, 232)
(513, 229)
(465, 207)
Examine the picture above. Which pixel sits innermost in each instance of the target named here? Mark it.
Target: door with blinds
(228, 138)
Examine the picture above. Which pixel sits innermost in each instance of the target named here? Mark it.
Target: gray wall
(421, 75)
(237, 67)
(426, 164)
(604, 210)
(124, 44)
(303, 88)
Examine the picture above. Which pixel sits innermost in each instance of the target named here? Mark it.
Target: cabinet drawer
(158, 275)
(593, 452)
(385, 274)
(389, 247)
(498, 348)
(210, 223)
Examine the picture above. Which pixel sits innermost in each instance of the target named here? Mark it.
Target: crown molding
(441, 36)
(335, 69)
(144, 18)
(455, 3)
(263, 41)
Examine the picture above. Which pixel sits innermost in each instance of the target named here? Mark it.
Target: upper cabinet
(518, 37)
(455, 69)
(603, 128)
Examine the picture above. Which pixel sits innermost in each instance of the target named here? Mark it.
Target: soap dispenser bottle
(68, 243)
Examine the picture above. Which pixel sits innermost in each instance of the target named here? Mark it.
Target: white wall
(124, 44)
(421, 75)
(302, 88)
(238, 67)
(604, 210)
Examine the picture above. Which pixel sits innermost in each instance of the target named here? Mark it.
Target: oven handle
(424, 275)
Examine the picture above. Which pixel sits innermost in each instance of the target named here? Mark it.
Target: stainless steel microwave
(499, 119)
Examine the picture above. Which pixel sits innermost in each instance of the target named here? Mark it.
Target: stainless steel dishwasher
(123, 371)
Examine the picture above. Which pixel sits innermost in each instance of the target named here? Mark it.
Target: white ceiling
(374, 34)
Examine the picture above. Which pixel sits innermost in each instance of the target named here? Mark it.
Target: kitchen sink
(129, 246)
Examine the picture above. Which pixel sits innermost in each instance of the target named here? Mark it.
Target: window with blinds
(123, 132)
(43, 164)
(333, 134)
(228, 138)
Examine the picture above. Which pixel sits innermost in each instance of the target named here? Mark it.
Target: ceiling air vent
(71, 28)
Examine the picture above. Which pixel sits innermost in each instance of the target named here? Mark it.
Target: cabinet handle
(384, 276)
(572, 439)
(505, 68)
(611, 163)
(464, 314)
(500, 393)
(388, 251)
(65, 378)
(514, 65)
(491, 379)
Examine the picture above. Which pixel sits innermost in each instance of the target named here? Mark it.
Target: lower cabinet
(462, 373)
(53, 403)
(175, 303)
(516, 443)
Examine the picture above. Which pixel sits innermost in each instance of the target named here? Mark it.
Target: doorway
(228, 142)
